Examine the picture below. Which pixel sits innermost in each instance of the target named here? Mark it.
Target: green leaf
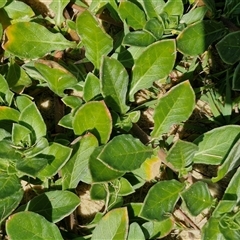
(11, 194)
(98, 192)
(99, 170)
(19, 10)
(7, 113)
(233, 191)
(139, 39)
(132, 14)
(114, 225)
(31, 226)
(196, 38)
(213, 146)
(229, 226)
(58, 156)
(31, 166)
(124, 153)
(31, 118)
(91, 87)
(181, 155)
(72, 101)
(22, 102)
(123, 187)
(2, 3)
(152, 7)
(155, 27)
(232, 161)
(53, 205)
(161, 199)
(197, 198)
(160, 61)
(17, 78)
(57, 77)
(232, 44)
(160, 229)
(21, 135)
(114, 84)
(96, 42)
(93, 117)
(223, 207)
(37, 148)
(174, 8)
(194, 15)
(211, 230)
(173, 108)
(236, 78)
(135, 232)
(57, 7)
(77, 169)
(35, 42)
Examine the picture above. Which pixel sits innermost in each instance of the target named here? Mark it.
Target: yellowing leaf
(31, 40)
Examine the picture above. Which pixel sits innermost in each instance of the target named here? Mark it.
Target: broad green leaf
(31, 40)
(4, 134)
(232, 44)
(7, 113)
(98, 191)
(123, 187)
(213, 146)
(72, 101)
(181, 155)
(231, 162)
(99, 170)
(76, 169)
(11, 194)
(19, 10)
(58, 156)
(57, 7)
(153, 229)
(124, 153)
(155, 27)
(22, 102)
(197, 198)
(132, 14)
(17, 78)
(135, 232)
(223, 207)
(93, 117)
(114, 84)
(236, 78)
(174, 8)
(37, 148)
(233, 191)
(31, 118)
(32, 166)
(194, 15)
(114, 225)
(160, 58)
(57, 77)
(2, 3)
(91, 87)
(152, 7)
(96, 42)
(196, 38)
(31, 226)
(174, 107)
(66, 121)
(53, 205)
(21, 135)
(211, 230)
(139, 39)
(161, 199)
